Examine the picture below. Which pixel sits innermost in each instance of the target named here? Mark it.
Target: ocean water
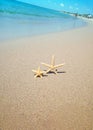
(18, 19)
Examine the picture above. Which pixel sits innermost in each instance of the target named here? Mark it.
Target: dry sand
(55, 102)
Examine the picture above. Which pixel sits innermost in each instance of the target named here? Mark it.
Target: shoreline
(89, 24)
(17, 28)
(44, 34)
(62, 101)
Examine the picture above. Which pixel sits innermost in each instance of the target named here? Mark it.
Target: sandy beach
(54, 102)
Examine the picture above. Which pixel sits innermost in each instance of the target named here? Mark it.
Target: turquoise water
(18, 19)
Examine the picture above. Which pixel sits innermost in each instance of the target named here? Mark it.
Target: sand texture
(54, 102)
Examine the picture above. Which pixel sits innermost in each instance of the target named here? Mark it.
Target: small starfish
(38, 73)
(52, 66)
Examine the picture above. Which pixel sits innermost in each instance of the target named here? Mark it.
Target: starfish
(38, 73)
(52, 67)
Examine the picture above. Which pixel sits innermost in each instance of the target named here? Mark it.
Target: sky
(78, 6)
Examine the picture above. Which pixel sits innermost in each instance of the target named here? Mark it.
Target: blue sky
(80, 6)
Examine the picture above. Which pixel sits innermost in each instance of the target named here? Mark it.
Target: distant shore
(89, 20)
(86, 17)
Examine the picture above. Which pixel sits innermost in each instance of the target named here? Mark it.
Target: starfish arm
(36, 76)
(53, 60)
(55, 71)
(40, 73)
(51, 70)
(43, 72)
(45, 64)
(56, 66)
(34, 71)
(48, 70)
(38, 68)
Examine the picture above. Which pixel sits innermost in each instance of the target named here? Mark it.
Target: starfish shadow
(50, 72)
(60, 72)
(45, 75)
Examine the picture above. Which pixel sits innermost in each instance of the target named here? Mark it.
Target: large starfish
(38, 73)
(52, 67)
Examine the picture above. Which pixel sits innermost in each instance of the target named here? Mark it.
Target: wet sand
(55, 102)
